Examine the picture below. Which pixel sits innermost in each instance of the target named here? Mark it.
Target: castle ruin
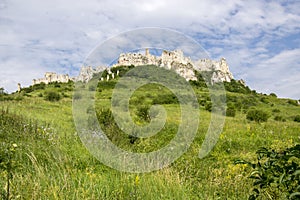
(172, 60)
(52, 77)
(182, 65)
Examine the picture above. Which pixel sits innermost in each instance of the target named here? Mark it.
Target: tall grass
(50, 162)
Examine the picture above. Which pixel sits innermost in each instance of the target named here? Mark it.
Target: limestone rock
(86, 73)
(220, 69)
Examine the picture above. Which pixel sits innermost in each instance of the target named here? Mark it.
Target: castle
(172, 60)
(182, 65)
(169, 59)
(52, 77)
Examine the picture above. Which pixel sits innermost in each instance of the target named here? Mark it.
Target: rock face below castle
(219, 68)
(87, 73)
(52, 77)
(172, 60)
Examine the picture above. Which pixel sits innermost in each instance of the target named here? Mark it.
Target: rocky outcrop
(220, 69)
(172, 60)
(86, 73)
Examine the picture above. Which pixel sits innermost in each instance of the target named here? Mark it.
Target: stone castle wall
(173, 60)
(52, 77)
(182, 65)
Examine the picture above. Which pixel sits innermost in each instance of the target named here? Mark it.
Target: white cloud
(279, 74)
(47, 35)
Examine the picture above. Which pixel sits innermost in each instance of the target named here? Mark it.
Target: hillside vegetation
(42, 157)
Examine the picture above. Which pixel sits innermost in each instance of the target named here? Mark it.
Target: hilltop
(172, 60)
(47, 160)
(211, 71)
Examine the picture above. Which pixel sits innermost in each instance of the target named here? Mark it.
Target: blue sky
(259, 39)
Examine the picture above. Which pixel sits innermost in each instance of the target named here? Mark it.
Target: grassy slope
(56, 165)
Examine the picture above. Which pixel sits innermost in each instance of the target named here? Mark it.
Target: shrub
(276, 174)
(292, 102)
(40, 86)
(257, 115)
(57, 85)
(52, 96)
(279, 118)
(275, 110)
(19, 98)
(264, 100)
(297, 118)
(236, 86)
(230, 112)
(165, 99)
(273, 95)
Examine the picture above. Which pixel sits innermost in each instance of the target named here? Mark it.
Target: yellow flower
(14, 145)
(137, 179)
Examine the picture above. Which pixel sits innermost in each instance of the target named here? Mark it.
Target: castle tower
(147, 52)
(19, 87)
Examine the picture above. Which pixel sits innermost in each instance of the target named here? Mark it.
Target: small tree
(1, 90)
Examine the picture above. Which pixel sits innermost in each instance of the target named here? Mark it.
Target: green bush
(230, 112)
(165, 99)
(292, 102)
(264, 100)
(52, 96)
(257, 115)
(236, 86)
(276, 110)
(276, 174)
(40, 86)
(297, 118)
(279, 118)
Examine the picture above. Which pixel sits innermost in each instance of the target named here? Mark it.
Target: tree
(1, 90)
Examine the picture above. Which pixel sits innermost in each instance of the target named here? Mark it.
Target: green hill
(42, 156)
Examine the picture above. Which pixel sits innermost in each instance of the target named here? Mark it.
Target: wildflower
(14, 145)
(137, 179)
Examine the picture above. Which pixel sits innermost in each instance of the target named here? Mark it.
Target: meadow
(42, 156)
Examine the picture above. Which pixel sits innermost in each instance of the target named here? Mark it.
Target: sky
(259, 39)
